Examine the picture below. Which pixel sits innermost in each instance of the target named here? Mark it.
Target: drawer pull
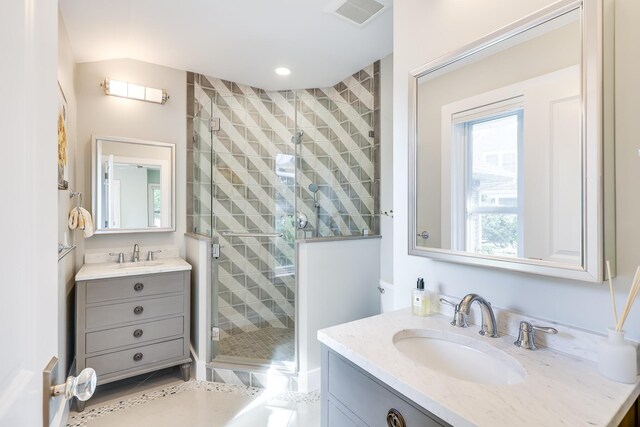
(137, 333)
(395, 419)
(138, 310)
(138, 287)
(137, 357)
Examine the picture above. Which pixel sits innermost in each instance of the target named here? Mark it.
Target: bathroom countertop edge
(96, 271)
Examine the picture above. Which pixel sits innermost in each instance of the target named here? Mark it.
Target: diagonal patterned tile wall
(338, 153)
(249, 176)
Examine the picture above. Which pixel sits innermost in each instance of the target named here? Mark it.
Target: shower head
(313, 187)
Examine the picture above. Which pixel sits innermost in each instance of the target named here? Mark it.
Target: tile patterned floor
(265, 344)
(196, 404)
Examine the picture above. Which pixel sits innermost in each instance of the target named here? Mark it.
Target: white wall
(198, 254)
(111, 116)
(337, 283)
(426, 30)
(386, 167)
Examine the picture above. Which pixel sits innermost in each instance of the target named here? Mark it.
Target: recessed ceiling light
(283, 71)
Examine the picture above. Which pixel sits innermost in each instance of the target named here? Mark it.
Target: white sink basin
(459, 356)
(140, 264)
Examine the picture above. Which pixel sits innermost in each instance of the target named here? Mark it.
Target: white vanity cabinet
(352, 397)
(130, 325)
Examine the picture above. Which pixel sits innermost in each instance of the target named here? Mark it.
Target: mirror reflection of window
(493, 220)
(154, 205)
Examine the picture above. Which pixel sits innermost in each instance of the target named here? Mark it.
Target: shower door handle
(424, 235)
(235, 234)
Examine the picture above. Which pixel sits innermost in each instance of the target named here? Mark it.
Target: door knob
(80, 387)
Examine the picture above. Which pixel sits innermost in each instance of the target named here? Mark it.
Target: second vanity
(132, 317)
(367, 379)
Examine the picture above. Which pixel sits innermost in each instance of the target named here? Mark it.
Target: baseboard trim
(199, 367)
(309, 381)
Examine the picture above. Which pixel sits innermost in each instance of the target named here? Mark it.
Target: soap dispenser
(420, 299)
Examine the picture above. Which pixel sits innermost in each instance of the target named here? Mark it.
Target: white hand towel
(73, 219)
(85, 221)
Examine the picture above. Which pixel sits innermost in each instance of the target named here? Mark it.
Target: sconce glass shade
(134, 91)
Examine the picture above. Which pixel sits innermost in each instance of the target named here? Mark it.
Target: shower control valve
(215, 333)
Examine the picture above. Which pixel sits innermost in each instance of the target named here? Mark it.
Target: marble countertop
(106, 270)
(559, 389)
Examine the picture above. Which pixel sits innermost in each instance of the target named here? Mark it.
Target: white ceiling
(238, 40)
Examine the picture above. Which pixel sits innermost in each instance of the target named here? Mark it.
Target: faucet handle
(459, 318)
(526, 335)
(150, 254)
(452, 304)
(545, 329)
(119, 255)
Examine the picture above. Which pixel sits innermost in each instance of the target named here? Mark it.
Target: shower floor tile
(264, 344)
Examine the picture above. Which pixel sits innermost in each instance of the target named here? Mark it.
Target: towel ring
(73, 194)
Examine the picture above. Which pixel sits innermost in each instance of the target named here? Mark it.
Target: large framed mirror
(506, 148)
(133, 185)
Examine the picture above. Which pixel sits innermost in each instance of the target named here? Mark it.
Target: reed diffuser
(617, 359)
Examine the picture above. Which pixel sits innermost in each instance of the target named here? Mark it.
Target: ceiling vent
(358, 12)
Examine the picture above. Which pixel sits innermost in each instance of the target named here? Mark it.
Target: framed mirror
(133, 185)
(506, 148)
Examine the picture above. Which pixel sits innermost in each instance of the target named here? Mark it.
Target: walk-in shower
(258, 161)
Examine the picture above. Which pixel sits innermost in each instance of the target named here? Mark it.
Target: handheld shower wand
(313, 187)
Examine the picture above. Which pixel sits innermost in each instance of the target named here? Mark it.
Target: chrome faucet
(461, 311)
(136, 253)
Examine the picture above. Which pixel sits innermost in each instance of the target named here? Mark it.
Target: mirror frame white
(593, 240)
(94, 185)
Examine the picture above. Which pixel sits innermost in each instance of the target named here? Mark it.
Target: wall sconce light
(133, 91)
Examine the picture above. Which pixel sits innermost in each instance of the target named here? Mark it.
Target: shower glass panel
(200, 207)
(251, 167)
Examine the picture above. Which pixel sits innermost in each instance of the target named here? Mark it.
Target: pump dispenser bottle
(420, 299)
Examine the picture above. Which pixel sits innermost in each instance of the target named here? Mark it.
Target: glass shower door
(252, 175)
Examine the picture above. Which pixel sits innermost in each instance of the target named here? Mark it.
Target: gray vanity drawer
(113, 314)
(367, 399)
(136, 357)
(338, 418)
(135, 334)
(133, 287)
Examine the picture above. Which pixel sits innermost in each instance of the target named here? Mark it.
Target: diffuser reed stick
(633, 293)
(613, 299)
